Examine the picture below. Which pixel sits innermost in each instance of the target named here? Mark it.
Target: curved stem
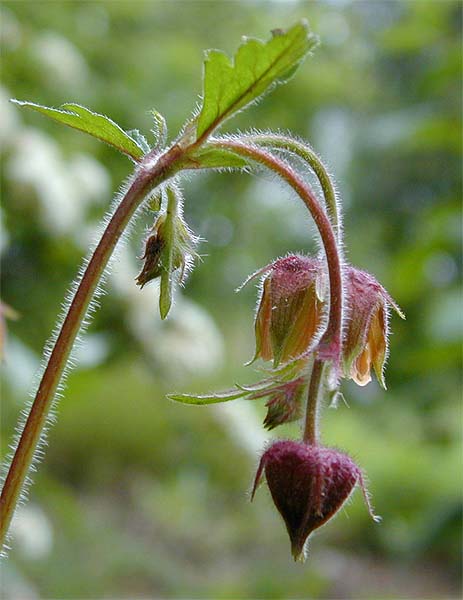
(308, 155)
(313, 160)
(330, 344)
(311, 415)
(151, 173)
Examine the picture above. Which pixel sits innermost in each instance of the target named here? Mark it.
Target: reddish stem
(151, 173)
(311, 415)
(330, 345)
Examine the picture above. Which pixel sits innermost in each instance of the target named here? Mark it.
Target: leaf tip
(164, 311)
(19, 102)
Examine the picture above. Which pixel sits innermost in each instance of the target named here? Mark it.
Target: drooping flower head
(308, 484)
(366, 336)
(290, 311)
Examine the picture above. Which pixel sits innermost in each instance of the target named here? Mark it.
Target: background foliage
(141, 497)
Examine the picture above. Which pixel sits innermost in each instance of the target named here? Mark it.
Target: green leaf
(97, 125)
(165, 295)
(257, 66)
(215, 158)
(232, 394)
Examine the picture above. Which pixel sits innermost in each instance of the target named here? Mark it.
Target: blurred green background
(138, 496)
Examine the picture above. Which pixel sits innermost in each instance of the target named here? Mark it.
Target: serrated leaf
(215, 158)
(229, 86)
(225, 396)
(99, 126)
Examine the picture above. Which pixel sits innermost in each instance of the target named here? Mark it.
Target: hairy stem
(151, 173)
(308, 155)
(311, 414)
(330, 344)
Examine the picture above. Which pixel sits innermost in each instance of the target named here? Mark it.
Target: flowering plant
(318, 320)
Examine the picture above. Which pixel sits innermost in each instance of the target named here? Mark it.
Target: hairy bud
(169, 247)
(290, 311)
(308, 484)
(366, 337)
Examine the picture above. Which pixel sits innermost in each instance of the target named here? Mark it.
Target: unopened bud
(290, 311)
(169, 247)
(366, 338)
(308, 484)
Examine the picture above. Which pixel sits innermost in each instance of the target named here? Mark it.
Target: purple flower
(308, 484)
(290, 311)
(366, 336)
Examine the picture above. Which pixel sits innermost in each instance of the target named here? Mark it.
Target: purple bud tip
(308, 484)
(294, 273)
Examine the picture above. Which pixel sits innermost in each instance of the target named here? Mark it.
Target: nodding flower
(291, 308)
(366, 335)
(308, 484)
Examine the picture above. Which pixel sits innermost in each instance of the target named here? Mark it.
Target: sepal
(169, 247)
(366, 343)
(291, 309)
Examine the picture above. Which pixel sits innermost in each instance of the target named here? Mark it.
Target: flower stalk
(330, 345)
(311, 434)
(308, 155)
(148, 176)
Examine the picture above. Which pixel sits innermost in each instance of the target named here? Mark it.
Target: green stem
(308, 155)
(149, 174)
(311, 415)
(330, 345)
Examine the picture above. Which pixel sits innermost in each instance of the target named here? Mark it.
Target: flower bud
(169, 247)
(308, 484)
(366, 336)
(290, 311)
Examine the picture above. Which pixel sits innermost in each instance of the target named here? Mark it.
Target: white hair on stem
(51, 416)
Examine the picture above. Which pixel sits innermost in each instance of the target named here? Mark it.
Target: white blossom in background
(243, 425)
(9, 119)
(19, 367)
(64, 187)
(4, 237)
(32, 532)
(60, 60)
(91, 350)
(10, 31)
(188, 343)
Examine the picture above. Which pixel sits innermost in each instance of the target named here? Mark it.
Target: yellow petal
(377, 340)
(360, 370)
